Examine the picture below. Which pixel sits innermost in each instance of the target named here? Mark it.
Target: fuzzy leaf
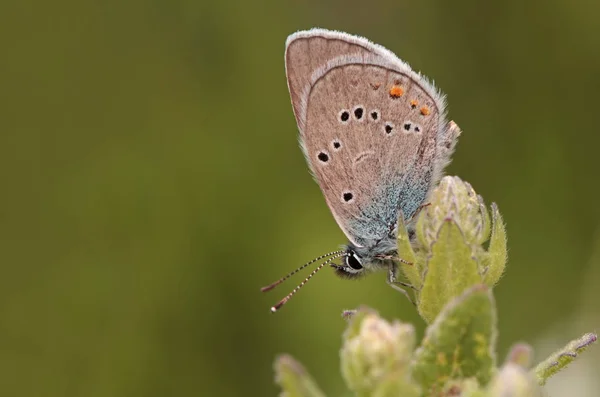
(451, 270)
(514, 381)
(459, 344)
(293, 379)
(485, 220)
(497, 252)
(412, 272)
(562, 358)
(395, 385)
(420, 225)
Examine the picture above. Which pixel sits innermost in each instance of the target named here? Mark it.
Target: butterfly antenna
(281, 280)
(289, 296)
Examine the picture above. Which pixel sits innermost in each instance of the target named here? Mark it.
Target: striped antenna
(282, 279)
(288, 297)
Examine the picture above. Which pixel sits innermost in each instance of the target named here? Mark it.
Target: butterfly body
(373, 131)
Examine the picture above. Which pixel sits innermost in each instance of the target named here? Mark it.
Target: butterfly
(376, 140)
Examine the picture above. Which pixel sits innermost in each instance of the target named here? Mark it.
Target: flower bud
(374, 348)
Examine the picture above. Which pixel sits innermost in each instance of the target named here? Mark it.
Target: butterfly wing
(373, 131)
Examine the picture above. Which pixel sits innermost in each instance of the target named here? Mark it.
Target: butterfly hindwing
(373, 131)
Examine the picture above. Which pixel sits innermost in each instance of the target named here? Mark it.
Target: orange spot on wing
(414, 103)
(375, 86)
(425, 111)
(396, 91)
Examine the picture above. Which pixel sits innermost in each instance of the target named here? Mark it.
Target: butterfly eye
(353, 262)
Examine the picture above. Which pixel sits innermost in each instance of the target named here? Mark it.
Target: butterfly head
(359, 261)
(352, 264)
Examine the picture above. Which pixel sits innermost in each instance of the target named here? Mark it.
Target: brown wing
(371, 129)
(309, 50)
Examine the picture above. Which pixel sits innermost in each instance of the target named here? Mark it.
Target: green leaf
(423, 219)
(293, 379)
(562, 357)
(514, 381)
(405, 252)
(497, 252)
(485, 220)
(459, 344)
(451, 270)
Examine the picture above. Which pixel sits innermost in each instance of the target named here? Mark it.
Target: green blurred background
(152, 183)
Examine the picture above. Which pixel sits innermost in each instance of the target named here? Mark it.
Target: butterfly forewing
(307, 51)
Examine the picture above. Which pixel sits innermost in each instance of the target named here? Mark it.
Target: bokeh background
(152, 183)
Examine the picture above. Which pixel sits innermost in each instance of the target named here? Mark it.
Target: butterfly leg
(393, 276)
(395, 284)
(393, 258)
(417, 212)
